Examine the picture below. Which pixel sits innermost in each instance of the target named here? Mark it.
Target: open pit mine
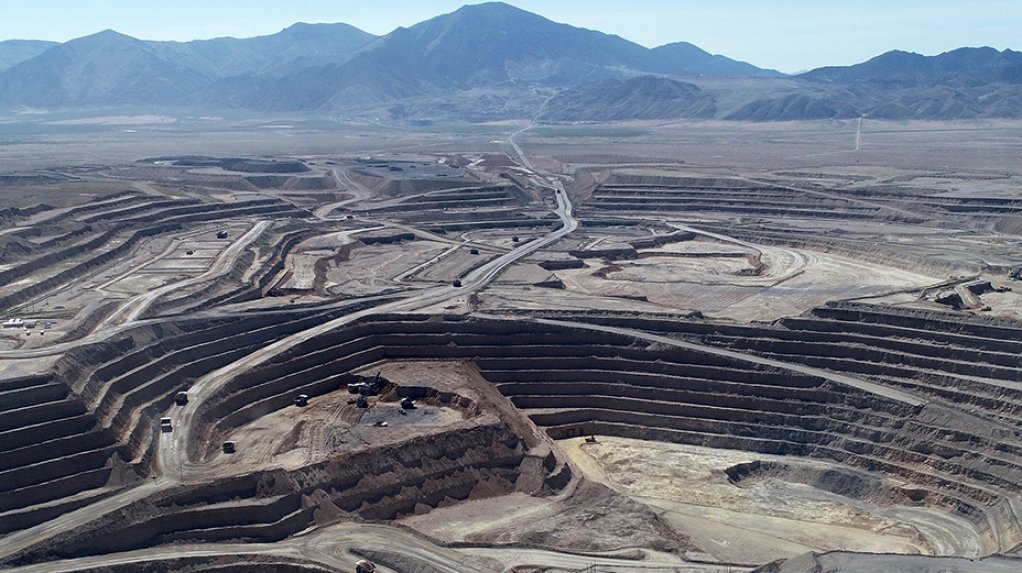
(522, 359)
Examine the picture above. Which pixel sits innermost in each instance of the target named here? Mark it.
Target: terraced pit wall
(581, 381)
(213, 293)
(80, 269)
(66, 237)
(968, 361)
(90, 426)
(569, 380)
(255, 288)
(9, 213)
(384, 483)
(234, 563)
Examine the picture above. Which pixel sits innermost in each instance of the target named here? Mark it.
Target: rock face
(794, 107)
(685, 59)
(385, 483)
(644, 97)
(104, 69)
(961, 67)
(13, 52)
(298, 46)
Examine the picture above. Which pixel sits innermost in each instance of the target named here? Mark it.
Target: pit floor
(766, 519)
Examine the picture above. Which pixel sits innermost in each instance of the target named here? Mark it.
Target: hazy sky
(789, 35)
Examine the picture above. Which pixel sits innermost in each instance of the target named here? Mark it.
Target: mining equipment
(473, 251)
(221, 234)
(360, 388)
(365, 566)
(362, 402)
(407, 404)
(590, 439)
(515, 239)
(181, 398)
(364, 388)
(165, 425)
(189, 252)
(456, 283)
(229, 448)
(302, 400)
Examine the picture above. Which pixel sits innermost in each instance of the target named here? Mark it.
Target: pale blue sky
(789, 35)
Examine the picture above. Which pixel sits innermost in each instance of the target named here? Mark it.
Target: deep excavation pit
(567, 380)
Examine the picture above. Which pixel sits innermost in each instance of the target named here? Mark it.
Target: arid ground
(669, 346)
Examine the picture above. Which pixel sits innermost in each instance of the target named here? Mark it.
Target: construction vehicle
(360, 388)
(365, 566)
(366, 388)
(181, 398)
(221, 234)
(14, 323)
(165, 425)
(407, 404)
(302, 400)
(229, 448)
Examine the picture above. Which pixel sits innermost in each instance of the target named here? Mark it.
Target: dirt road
(132, 308)
(359, 193)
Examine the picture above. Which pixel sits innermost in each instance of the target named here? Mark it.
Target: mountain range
(13, 52)
(491, 61)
